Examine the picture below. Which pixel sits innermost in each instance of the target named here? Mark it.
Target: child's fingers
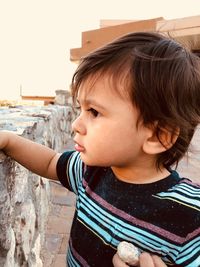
(146, 260)
(158, 262)
(117, 262)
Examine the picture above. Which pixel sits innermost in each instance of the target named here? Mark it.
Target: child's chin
(89, 161)
(86, 160)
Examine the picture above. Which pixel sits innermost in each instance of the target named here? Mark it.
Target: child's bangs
(116, 76)
(120, 80)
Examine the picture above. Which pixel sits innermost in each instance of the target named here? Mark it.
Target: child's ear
(158, 142)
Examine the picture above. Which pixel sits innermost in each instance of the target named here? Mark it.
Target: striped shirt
(162, 218)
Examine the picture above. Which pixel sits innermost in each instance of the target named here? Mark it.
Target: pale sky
(36, 36)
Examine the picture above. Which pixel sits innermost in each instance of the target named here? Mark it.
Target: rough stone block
(24, 198)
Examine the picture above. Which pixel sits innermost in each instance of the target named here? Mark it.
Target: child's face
(105, 131)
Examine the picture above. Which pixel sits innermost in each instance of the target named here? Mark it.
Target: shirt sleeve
(70, 170)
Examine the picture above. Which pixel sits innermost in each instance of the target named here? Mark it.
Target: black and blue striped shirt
(162, 218)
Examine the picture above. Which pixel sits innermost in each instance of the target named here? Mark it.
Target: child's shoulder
(188, 184)
(184, 183)
(184, 191)
(182, 202)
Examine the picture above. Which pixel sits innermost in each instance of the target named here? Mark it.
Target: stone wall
(24, 196)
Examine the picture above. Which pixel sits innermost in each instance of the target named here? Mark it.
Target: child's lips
(79, 148)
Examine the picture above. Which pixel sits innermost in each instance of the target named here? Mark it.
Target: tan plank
(177, 24)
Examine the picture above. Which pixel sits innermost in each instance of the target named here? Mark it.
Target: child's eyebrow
(90, 102)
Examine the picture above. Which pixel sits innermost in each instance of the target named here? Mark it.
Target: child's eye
(93, 112)
(77, 109)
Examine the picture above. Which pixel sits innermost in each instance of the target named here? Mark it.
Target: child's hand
(145, 260)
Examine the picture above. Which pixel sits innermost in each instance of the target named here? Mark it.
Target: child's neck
(138, 175)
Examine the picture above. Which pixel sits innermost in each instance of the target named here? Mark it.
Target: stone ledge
(25, 197)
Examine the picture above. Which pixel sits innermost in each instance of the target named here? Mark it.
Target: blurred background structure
(185, 30)
(36, 37)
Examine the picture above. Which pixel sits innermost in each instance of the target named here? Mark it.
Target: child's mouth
(79, 148)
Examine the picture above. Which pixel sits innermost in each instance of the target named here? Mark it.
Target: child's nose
(78, 126)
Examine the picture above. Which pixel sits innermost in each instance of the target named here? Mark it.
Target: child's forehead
(104, 81)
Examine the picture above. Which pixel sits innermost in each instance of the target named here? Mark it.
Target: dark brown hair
(161, 77)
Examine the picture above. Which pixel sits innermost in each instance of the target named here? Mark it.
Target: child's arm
(35, 157)
(145, 260)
